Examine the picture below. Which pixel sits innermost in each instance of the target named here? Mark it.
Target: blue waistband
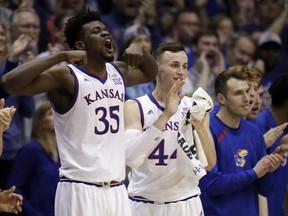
(97, 184)
(137, 199)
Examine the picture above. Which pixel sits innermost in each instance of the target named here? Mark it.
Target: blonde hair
(251, 74)
(38, 129)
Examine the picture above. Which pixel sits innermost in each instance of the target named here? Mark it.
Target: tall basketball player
(87, 97)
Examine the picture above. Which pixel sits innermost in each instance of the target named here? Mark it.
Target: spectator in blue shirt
(35, 171)
(243, 168)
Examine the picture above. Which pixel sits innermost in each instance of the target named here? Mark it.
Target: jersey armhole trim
(141, 112)
(75, 95)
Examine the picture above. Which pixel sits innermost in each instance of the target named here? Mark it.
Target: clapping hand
(10, 201)
(5, 115)
(273, 134)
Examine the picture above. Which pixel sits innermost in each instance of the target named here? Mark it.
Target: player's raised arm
(203, 131)
(139, 67)
(29, 79)
(138, 142)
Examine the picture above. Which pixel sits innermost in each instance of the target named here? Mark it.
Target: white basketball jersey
(90, 134)
(157, 178)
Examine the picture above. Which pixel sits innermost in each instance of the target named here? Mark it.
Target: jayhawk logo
(284, 159)
(240, 157)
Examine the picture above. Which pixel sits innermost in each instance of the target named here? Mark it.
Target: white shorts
(191, 207)
(79, 199)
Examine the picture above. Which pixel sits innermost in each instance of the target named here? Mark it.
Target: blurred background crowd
(216, 34)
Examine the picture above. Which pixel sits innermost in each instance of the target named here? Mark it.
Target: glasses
(267, 1)
(29, 26)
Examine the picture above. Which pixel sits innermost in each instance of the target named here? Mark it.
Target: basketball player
(152, 123)
(88, 106)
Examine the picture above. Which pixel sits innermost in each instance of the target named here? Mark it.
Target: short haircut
(279, 91)
(236, 72)
(254, 75)
(13, 18)
(73, 26)
(251, 74)
(173, 47)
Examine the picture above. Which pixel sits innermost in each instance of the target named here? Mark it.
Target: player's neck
(96, 69)
(159, 96)
(99, 72)
(228, 119)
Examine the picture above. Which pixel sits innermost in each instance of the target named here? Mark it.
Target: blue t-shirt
(232, 187)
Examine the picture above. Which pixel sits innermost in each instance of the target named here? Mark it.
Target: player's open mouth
(108, 44)
(255, 109)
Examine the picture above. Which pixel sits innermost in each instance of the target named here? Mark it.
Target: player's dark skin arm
(23, 76)
(139, 67)
(39, 76)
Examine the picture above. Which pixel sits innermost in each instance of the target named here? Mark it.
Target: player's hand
(275, 160)
(173, 98)
(262, 166)
(133, 55)
(273, 134)
(78, 57)
(198, 124)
